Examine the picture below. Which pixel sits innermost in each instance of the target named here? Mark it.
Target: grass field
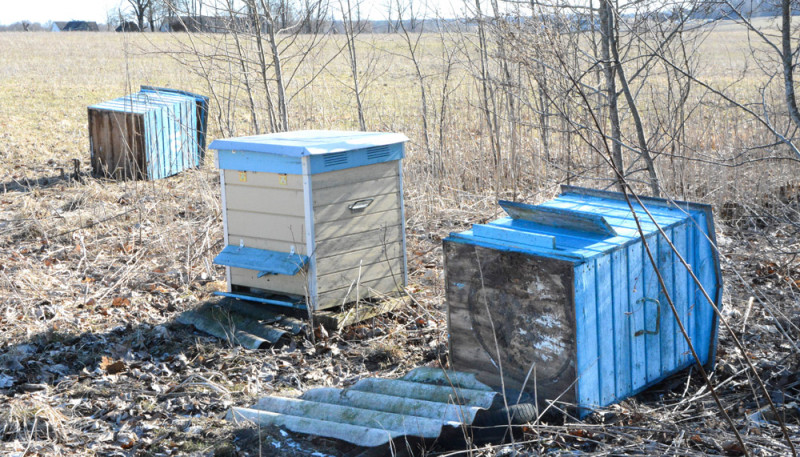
(94, 271)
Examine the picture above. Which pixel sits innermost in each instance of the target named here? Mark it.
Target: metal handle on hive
(360, 205)
(644, 331)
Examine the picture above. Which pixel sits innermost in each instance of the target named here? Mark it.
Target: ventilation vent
(332, 160)
(378, 152)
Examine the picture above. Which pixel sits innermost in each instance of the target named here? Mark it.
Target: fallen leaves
(111, 366)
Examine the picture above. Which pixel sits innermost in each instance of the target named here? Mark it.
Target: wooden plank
(376, 237)
(295, 285)
(706, 273)
(287, 202)
(681, 295)
(652, 312)
(365, 223)
(586, 333)
(606, 330)
(340, 212)
(559, 217)
(359, 312)
(108, 153)
(622, 322)
(267, 226)
(512, 310)
(668, 325)
(636, 286)
(353, 175)
(368, 289)
(367, 256)
(265, 179)
(355, 191)
(265, 243)
(344, 278)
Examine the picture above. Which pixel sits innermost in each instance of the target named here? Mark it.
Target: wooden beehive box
(563, 297)
(312, 218)
(153, 134)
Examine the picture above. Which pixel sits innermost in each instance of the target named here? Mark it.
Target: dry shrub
(31, 419)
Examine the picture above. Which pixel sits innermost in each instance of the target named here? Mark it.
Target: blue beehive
(312, 219)
(561, 299)
(149, 135)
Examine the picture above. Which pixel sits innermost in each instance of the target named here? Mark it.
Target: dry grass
(69, 248)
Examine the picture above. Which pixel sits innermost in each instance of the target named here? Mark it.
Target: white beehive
(312, 217)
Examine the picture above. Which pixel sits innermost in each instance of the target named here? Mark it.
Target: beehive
(312, 218)
(562, 299)
(152, 134)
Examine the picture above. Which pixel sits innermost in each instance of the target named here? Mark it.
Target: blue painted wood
(559, 217)
(681, 294)
(652, 310)
(636, 288)
(514, 236)
(588, 373)
(668, 325)
(257, 161)
(309, 142)
(255, 298)
(605, 330)
(171, 128)
(201, 116)
(261, 260)
(627, 337)
(622, 322)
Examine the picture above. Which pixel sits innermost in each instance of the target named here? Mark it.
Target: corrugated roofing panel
(375, 411)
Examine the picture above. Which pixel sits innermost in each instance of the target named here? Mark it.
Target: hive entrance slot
(559, 218)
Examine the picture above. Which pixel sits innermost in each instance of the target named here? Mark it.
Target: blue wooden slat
(588, 372)
(618, 218)
(257, 161)
(691, 287)
(559, 217)
(652, 311)
(658, 211)
(605, 330)
(255, 298)
(261, 260)
(514, 236)
(636, 287)
(705, 273)
(681, 295)
(668, 326)
(622, 322)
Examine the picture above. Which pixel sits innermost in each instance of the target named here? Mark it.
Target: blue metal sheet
(261, 260)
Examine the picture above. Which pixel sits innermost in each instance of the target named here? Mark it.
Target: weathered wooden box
(561, 299)
(312, 218)
(152, 134)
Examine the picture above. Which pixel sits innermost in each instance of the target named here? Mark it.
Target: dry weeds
(94, 272)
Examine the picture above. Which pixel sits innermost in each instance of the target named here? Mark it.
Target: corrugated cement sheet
(375, 411)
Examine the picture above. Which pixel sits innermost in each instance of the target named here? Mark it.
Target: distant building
(210, 24)
(75, 26)
(128, 26)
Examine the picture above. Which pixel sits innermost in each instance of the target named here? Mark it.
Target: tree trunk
(607, 32)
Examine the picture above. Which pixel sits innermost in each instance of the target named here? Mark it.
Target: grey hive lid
(308, 142)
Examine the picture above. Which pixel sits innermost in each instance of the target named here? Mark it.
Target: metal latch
(360, 205)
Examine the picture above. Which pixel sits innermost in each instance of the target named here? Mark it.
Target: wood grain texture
(515, 311)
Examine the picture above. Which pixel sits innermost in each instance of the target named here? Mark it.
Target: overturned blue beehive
(148, 135)
(561, 299)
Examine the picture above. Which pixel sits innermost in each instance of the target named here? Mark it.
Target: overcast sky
(54, 10)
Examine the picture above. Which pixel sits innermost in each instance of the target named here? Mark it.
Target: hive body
(333, 200)
(562, 296)
(152, 134)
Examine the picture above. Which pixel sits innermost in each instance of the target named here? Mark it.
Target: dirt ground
(92, 361)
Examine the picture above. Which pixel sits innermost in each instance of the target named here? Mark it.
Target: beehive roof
(308, 142)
